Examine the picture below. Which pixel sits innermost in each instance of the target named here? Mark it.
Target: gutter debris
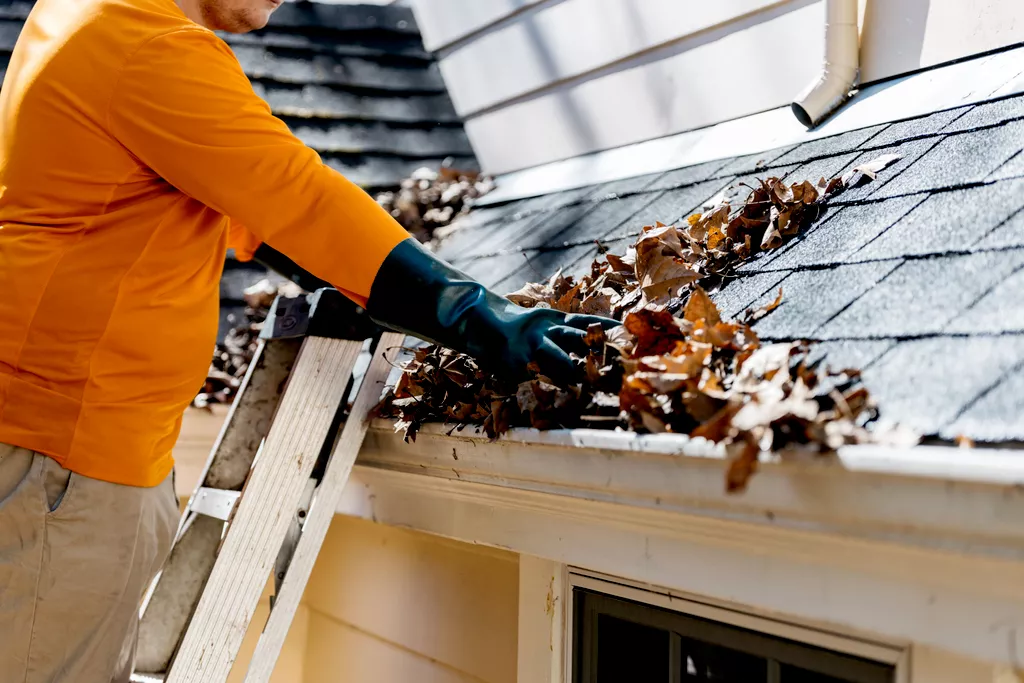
(674, 365)
(430, 200)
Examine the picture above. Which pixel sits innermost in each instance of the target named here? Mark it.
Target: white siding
(757, 68)
(576, 37)
(444, 21)
(542, 80)
(903, 35)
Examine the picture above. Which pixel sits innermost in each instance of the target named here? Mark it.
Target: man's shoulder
(119, 27)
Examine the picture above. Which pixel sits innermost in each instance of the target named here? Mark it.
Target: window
(620, 641)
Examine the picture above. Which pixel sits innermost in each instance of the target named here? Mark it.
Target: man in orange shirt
(132, 153)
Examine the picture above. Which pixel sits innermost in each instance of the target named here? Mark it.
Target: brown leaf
(755, 314)
(532, 294)
(597, 304)
(743, 457)
(569, 302)
(868, 169)
(618, 264)
(700, 307)
(660, 268)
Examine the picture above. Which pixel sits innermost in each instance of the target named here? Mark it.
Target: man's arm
(185, 108)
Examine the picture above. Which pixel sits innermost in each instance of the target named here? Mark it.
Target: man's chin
(252, 21)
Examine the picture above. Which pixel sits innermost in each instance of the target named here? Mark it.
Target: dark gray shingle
(836, 238)
(988, 114)
(959, 159)
(921, 296)
(948, 221)
(828, 168)
(996, 414)
(909, 151)
(687, 175)
(998, 311)
(738, 293)
(925, 383)
(913, 128)
(810, 298)
(1009, 234)
(829, 146)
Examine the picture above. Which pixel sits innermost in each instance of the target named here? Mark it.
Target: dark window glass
(620, 641)
(631, 653)
(794, 674)
(705, 662)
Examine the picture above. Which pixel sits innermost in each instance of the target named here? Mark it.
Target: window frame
(699, 611)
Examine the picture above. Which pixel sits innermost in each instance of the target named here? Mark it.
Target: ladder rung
(216, 503)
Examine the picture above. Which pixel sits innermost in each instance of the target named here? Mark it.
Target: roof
(917, 277)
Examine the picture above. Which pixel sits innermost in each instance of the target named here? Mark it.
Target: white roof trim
(969, 501)
(945, 87)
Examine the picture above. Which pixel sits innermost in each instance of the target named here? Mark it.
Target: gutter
(968, 501)
(841, 67)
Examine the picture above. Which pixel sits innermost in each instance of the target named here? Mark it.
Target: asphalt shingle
(921, 296)
(924, 384)
(487, 239)
(829, 146)
(738, 293)
(688, 175)
(909, 151)
(848, 353)
(828, 168)
(753, 162)
(988, 114)
(835, 239)
(1009, 234)
(591, 225)
(959, 159)
(810, 298)
(535, 232)
(914, 128)
(1014, 168)
(998, 311)
(668, 207)
(618, 188)
(996, 414)
(948, 221)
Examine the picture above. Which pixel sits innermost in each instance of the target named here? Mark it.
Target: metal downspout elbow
(841, 67)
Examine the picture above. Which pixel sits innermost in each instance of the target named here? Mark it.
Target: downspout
(841, 67)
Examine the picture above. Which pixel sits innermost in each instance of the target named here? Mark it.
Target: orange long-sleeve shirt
(128, 137)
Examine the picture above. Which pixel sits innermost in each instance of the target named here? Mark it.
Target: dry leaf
(868, 169)
(753, 315)
(700, 307)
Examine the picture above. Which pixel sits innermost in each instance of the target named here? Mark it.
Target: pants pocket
(57, 485)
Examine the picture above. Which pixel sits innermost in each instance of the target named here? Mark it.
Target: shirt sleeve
(184, 107)
(242, 241)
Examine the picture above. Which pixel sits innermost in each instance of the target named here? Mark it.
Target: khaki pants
(76, 556)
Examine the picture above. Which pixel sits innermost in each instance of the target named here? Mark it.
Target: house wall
(542, 80)
(389, 605)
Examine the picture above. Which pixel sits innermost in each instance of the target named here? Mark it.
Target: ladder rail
(326, 498)
(269, 498)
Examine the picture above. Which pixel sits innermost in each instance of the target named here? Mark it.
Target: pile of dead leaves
(674, 365)
(430, 199)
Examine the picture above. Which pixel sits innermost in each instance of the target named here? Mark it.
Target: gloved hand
(417, 293)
